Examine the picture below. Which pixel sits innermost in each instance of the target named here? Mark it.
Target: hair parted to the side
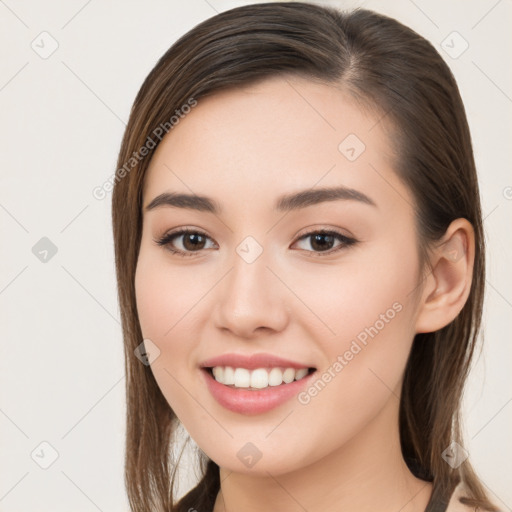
(385, 66)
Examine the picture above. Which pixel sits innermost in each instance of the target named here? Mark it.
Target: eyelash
(165, 241)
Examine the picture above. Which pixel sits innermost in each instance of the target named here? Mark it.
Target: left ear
(447, 287)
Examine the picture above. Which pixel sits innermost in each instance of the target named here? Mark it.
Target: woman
(300, 262)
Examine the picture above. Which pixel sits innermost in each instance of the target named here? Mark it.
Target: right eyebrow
(189, 201)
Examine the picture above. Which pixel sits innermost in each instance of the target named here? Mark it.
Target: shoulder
(455, 505)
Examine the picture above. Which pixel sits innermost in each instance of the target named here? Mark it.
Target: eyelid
(323, 228)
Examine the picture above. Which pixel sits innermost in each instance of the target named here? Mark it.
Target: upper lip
(252, 361)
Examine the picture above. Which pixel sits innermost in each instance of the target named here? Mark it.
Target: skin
(340, 451)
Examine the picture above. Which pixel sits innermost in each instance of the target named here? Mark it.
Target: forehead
(280, 134)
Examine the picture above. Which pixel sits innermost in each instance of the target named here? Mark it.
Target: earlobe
(448, 284)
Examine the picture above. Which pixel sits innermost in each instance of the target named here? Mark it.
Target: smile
(250, 400)
(259, 378)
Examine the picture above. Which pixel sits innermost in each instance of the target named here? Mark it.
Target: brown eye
(323, 241)
(191, 241)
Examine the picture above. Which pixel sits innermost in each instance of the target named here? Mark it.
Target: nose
(251, 299)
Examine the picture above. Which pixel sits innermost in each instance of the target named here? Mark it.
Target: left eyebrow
(293, 201)
(310, 197)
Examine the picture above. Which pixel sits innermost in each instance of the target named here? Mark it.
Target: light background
(62, 119)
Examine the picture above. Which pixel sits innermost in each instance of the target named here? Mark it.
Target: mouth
(257, 390)
(258, 378)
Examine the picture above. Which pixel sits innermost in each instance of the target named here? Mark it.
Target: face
(324, 280)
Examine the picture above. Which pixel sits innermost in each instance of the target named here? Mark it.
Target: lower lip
(251, 402)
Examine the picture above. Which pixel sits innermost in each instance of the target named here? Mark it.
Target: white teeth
(259, 378)
(229, 376)
(242, 378)
(299, 374)
(275, 377)
(218, 373)
(288, 375)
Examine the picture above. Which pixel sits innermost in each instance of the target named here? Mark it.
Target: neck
(366, 474)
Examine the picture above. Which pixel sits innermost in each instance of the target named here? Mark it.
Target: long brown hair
(385, 66)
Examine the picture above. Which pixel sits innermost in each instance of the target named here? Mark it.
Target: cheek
(369, 310)
(167, 298)
(165, 295)
(372, 314)
(159, 303)
(364, 288)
